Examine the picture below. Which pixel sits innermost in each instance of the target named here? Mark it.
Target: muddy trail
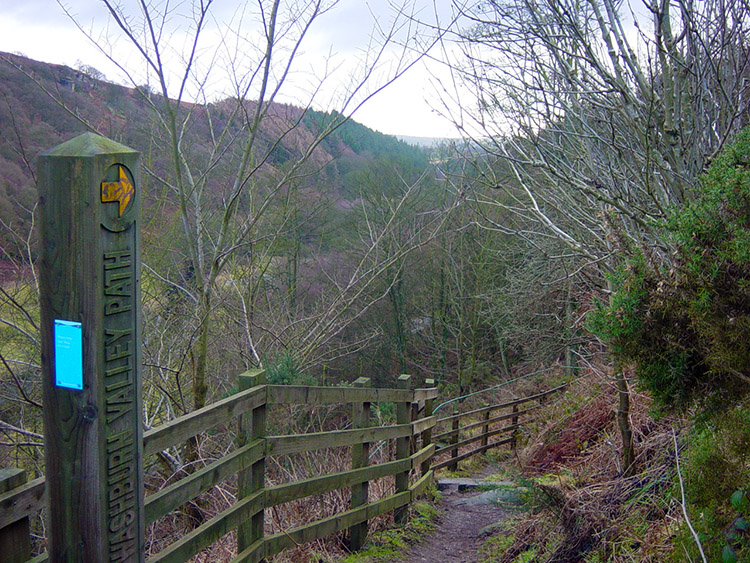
(471, 511)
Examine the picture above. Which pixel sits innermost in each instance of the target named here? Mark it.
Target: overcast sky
(40, 30)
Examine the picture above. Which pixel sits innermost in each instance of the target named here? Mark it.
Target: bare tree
(599, 119)
(385, 231)
(227, 191)
(594, 117)
(20, 393)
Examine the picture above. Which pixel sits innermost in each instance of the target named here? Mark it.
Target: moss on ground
(495, 547)
(500, 547)
(389, 545)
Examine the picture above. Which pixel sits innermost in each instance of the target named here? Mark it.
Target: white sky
(40, 30)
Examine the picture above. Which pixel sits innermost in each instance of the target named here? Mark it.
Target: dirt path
(460, 531)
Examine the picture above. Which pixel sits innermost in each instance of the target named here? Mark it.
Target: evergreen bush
(686, 326)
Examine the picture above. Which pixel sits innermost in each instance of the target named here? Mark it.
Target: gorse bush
(639, 327)
(686, 325)
(713, 235)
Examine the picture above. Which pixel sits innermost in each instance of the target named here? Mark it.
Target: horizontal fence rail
(479, 425)
(421, 439)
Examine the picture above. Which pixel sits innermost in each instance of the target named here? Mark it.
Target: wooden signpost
(90, 313)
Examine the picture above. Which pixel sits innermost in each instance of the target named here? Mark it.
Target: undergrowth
(716, 468)
(582, 510)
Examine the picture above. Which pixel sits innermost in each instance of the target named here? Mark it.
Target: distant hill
(31, 120)
(425, 142)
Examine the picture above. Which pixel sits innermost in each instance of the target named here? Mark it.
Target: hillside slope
(42, 105)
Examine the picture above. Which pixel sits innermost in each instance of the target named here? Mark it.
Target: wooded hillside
(46, 104)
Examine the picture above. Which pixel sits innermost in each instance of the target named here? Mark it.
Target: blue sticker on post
(68, 355)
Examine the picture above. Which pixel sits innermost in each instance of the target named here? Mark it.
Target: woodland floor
(468, 518)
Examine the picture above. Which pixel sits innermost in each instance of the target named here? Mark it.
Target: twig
(18, 383)
(23, 431)
(278, 523)
(18, 444)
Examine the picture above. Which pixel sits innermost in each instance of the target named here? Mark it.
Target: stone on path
(462, 483)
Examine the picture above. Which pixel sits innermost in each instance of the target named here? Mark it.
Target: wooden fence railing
(482, 430)
(415, 448)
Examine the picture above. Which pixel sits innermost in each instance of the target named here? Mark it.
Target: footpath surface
(471, 510)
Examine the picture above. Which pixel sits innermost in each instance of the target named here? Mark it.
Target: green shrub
(686, 325)
(282, 369)
(713, 234)
(640, 326)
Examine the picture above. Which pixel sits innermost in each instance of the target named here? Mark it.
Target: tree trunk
(395, 293)
(570, 366)
(200, 353)
(623, 422)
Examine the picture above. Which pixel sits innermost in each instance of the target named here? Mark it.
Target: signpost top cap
(88, 144)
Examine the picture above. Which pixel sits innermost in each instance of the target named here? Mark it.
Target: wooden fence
(413, 468)
(462, 436)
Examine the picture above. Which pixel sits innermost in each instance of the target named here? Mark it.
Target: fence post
(427, 434)
(90, 310)
(514, 435)
(15, 539)
(403, 416)
(486, 428)
(456, 427)
(413, 415)
(252, 426)
(360, 458)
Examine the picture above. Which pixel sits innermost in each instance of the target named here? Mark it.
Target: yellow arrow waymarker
(120, 191)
